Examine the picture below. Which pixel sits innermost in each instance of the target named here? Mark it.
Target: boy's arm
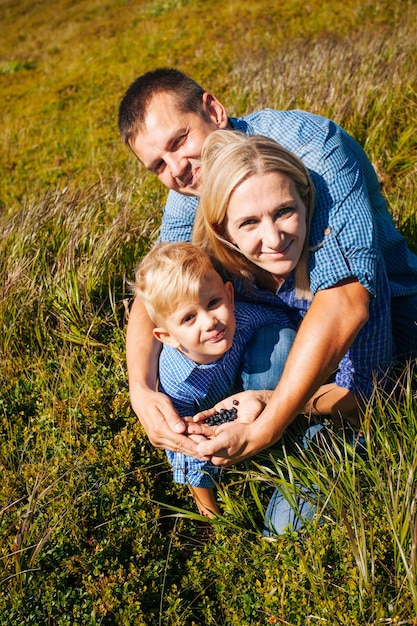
(154, 410)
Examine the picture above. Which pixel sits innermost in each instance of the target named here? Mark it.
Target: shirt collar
(176, 358)
(242, 125)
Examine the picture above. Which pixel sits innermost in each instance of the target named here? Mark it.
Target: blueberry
(221, 417)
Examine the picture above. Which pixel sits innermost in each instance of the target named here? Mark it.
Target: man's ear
(215, 110)
(162, 335)
(230, 291)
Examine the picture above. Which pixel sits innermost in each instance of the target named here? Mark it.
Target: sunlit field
(92, 528)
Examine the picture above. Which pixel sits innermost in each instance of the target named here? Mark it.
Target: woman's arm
(155, 411)
(329, 328)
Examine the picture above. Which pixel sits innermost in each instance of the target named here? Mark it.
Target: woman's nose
(271, 235)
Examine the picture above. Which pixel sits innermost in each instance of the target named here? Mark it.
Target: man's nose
(175, 164)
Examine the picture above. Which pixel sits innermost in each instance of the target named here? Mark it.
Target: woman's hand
(230, 443)
(249, 405)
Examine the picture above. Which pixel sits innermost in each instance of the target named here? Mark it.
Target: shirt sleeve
(178, 217)
(343, 235)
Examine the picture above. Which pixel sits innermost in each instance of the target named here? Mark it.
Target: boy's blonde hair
(228, 159)
(170, 274)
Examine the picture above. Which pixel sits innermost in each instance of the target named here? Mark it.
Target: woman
(256, 216)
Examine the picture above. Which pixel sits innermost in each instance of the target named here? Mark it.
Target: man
(164, 118)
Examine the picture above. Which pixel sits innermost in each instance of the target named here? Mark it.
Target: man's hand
(162, 424)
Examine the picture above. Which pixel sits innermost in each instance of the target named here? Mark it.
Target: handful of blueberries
(222, 416)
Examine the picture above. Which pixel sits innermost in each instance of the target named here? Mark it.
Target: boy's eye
(188, 318)
(214, 302)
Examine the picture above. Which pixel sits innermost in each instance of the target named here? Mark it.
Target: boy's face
(202, 330)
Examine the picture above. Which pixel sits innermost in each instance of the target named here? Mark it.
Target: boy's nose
(209, 321)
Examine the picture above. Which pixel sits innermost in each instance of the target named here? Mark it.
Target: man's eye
(159, 167)
(179, 141)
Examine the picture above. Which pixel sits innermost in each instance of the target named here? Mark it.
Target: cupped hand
(249, 405)
(230, 443)
(163, 425)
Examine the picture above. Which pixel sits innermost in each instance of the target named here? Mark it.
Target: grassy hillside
(91, 529)
(65, 65)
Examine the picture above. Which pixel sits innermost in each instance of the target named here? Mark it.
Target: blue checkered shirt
(352, 234)
(351, 213)
(193, 387)
(369, 357)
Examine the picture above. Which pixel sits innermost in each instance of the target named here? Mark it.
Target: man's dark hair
(134, 105)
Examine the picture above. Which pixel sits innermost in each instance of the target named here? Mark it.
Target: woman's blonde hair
(170, 274)
(228, 159)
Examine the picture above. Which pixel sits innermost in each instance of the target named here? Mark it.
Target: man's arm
(154, 410)
(329, 328)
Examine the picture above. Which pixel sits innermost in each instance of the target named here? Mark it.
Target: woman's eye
(283, 212)
(246, 223)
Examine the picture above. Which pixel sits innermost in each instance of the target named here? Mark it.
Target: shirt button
(327, 231)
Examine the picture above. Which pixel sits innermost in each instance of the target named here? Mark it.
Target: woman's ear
(162, 335)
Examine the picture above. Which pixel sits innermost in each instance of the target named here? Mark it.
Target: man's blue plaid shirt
(352, 234)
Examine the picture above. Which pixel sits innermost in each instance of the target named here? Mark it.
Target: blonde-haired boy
(204, 335)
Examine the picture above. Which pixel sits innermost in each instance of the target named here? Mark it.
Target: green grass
(92, 529)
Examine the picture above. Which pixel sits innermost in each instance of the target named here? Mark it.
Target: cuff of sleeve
(355, 261)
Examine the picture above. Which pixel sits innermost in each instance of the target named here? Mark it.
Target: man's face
(170, 143)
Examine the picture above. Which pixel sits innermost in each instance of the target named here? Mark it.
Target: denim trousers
(404, 326)
(262, 367)
(292, 510)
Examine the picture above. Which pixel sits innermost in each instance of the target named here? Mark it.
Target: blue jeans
(293, 509)
(265, 357)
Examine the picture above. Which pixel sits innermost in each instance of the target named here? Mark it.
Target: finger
(197, 438)
(218, 446)
(201, 429)
(185, 445)
(203, 415)
(173, 420)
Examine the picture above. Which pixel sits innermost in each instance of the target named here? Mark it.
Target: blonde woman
(256, 215)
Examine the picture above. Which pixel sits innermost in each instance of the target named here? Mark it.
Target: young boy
(204, 335)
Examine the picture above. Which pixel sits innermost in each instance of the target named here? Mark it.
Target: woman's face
(266, 219)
